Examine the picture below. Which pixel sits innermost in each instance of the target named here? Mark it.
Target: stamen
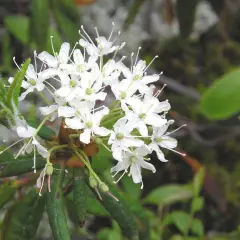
(73, 50)
(132, 61)
(111, 195)
(50, 85)
(159, 91)
(125, 171)
(35, 60)
(150, 64)
(119, 33)
(111, 31)
(34, 159)
(44, 174)
(137, 55)
(168, 133)
(87, 35)
(182, 154)
(98, 193)
(23, 148)
(14, 60)
(96, 30)
(11, 145)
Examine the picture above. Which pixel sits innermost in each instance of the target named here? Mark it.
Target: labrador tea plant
(131, 127)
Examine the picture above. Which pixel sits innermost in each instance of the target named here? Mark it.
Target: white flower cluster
(82, 76)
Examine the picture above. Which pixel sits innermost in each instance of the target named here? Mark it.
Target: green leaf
(68, 27)
(197, 204)
(14, 167)
(18, 26)
(22, 220)
(7, 51)
(55, 206)
(198, 181)
(15, 87)
(7, 191)
(168, 194)
(134, 9)
(180, 219)
(120, 212)
(186, 15)
(39, 22)
(197, 227)
(222, 99)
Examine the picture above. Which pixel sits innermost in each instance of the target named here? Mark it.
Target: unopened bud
(98, 141)
(104, 187)
(93, 182)
(49, 169)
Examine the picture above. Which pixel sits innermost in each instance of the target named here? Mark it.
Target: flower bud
(93, 182)
(104, 187)
(49, 169)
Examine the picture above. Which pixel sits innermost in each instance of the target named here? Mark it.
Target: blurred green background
(199, 53)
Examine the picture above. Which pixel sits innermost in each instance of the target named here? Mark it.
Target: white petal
(142, 151)
(63, 91)
(85, 136)
(100, 114)
(147, 165)
(49, 59)
(132, 142)
(120, 166)
(150, 78)
(42, 151)
(40, 178)
(25, 131)
(118, 154)
(159, 153)
(48, 110)
(64, 111)
(78, 57)
(163, 106)
(135, 103)
(136, 173)
(155, 120)
(24, 94)
(40, 86)
(74, 123)
(168, 142)
(142, 129)
(31, 72)
(49, 73)
(64, 52)
(101, 131)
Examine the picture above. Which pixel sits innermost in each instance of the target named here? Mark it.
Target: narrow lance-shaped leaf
(55, 206)
(39, 24)
(18, 26)
(22, 220)
(7, 191)
(80, 194)
(120, 212)
(13, 167)
(15, 87)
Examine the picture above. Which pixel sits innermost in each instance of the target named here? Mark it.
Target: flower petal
(136, 173)
(85, 136)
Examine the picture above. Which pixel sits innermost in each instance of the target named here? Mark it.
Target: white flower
(121, 138)
(160, 139)
(102, 47)
(53, 109)
(28, 132)
(35, 80)
(135, 161)
(145, 112)
(70, 86)
(89, 122)
(90, 86)
(57, 59)
(79, 64)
